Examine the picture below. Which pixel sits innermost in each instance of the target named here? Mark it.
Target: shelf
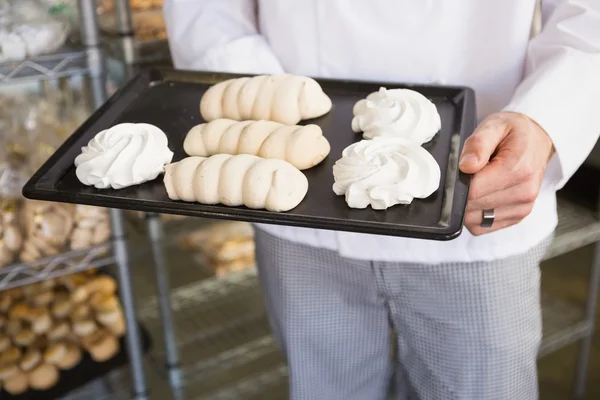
(563, 324)
(65, 62)
(578, 226)
(51, 267)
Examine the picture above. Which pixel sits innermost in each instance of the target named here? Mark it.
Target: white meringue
(396, 112)
(124, 155)
(384, 172)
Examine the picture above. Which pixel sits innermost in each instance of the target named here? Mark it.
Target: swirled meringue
(124, 155)
(396, 112)
(384, 172)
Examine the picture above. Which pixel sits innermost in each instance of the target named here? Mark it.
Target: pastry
(72, 357)
(236, 180)
(5, 343)
(20, 311)
(7, 370)
(118, 327)
(104, 302)
(43, 377)
(43, 299)
(281, 98)
(109, 317)
(101, 345)
(13, 326)
(84, 327)
(55, 353)
(5, 303)
(124, 155)
(41, 321)
(10, 355)
(30, 359)
(62, 306)
(16, 384)
(81, 238)
(302, 146)
(81, 311)
(102, 284)
(59, 330)
(398, 113)
(24, 338)
(384, 172)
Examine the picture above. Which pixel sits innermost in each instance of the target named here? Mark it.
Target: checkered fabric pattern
(467, 331)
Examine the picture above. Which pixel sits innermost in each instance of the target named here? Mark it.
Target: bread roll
(7, 370)
(17, 384)
(43, 377)
(59, 330)
(55, 353)
(30, 359)
(281, 98)
(25, 337)
(4, 343)
(102, 345)
(84, 327)
(238, 180)
(302, 146)
(71, 358)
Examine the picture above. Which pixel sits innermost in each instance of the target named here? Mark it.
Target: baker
(466, 312)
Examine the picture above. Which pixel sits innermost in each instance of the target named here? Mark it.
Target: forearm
(562, 84)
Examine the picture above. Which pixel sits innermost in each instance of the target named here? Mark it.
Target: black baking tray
(170, 100)
(87, 371)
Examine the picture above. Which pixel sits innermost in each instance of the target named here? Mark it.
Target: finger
(477, 230)
(478, 148)
(473, 218)
(523, 193)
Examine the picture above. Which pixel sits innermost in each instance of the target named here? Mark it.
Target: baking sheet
(170, 100)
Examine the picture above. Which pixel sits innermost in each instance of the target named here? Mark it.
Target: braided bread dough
(281, 98)
(302, 146)
(237, 180)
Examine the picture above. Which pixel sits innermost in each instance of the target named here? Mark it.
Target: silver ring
(488, 217)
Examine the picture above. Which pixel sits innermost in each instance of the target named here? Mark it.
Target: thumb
(481, 145)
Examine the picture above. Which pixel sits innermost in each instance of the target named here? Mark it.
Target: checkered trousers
(465, 331)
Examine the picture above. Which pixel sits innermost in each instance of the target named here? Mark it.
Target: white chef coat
(554, 79)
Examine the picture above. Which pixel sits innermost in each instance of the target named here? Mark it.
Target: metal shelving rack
(222, 333)
(87, 60)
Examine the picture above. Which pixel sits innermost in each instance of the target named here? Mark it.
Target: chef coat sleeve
(561, 88)
(218, 35)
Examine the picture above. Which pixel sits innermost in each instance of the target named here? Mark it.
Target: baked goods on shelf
(38, 341)
(243, 179)
(302, 146)
(284, 98)
(225, 247)
(11, 236)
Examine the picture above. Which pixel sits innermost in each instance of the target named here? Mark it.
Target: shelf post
(590, 317)
(163, 287)
(126, 34)
(90, 36)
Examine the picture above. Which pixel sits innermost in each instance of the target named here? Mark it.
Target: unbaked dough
(302, 146)
(281, 98)
(237, 180)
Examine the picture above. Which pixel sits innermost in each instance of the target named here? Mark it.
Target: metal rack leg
(155, 230)
(134, 343)
(590, 314)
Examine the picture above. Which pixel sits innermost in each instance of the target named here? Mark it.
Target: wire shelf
(65, 62)
(578, 226)
(51, 267)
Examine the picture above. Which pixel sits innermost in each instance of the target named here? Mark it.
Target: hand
(508, 154)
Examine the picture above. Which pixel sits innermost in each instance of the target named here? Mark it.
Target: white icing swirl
(384, 172)
(124, 155)
(396, 112)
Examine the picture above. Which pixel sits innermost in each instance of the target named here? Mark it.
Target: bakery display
(302, 146)
(38, 342)
(285, 98)
(28, 30)
(11, 235)
(224, 247)
(396, 112)
(238, 180)
(384, 172)
(124, 155)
